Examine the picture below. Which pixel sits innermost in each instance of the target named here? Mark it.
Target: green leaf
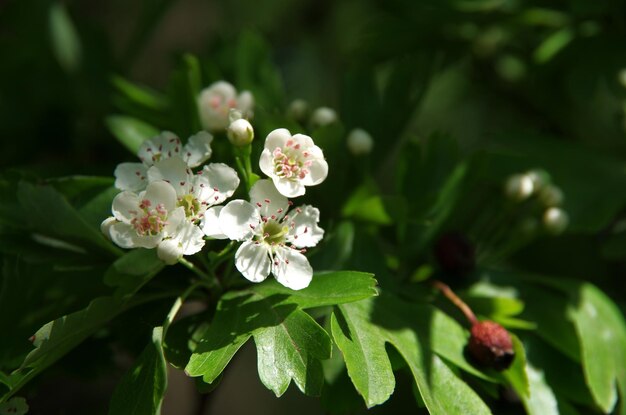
(600, 329)
(269, 312)
(361, 331)
(56, 338)
(129, 131)
(139, 94)
(516, 375)
(133, 270)
(50, 213)
(293, 350)
(141, 389)
(65, 41)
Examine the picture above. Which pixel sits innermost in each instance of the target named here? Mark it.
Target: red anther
(138, 173)
(306, 229)
(182, 183)
(215, 189)
(188, 154)
(280, 210)
(286, 261)
(252, 226)
(259, 204)
(290, 203)
(149, 150)
(266, 201)
(273, 217)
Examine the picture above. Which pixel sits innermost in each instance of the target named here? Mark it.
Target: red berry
(490, 345)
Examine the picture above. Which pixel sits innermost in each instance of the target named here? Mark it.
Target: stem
(177, 305)
(460, 304)
(210, 281)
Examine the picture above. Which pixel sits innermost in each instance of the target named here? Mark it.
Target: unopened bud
(234, 115)
(240, 132)
(455, 254)
(551, 196)
(490, 345)
(360, 142)
(539, 177)
(298, 110)
(555, 220)
(323, 116)
(519, 187)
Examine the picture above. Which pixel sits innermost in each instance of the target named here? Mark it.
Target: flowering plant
(358, 250)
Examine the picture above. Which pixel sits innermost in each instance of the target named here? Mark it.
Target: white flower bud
(519, 187)
(298, 110)
(555, 220)
(234, 115)
(360, 142)
(323, 116)
(551, 196)
(240, 132)
(621, 77)
(539, 178)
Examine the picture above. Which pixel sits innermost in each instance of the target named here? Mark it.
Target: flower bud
(360, 142)
(298, 110)
(555, 220)
(539, 177)
(323, 116)
(490, 345)
(455, 254)
(234, 115)
(240, 132)
(551, 196)
(519, 187)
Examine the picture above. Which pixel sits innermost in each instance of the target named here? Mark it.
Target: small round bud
(360, 142)
(555, 220)
(455, 254)
(240, 132)
(539, 178)
(621, 77)
(490, 345)
(298, 110)
(519, 187)
(234, 115)
(323, 116)
(551, 196)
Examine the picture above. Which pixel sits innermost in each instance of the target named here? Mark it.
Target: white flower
(195, 193)
(273, 239)
(322, 117)
(292, 162)
(215, 102)
(133, 177)
(360, 142)
(240, 132)
(151, 219)
(298, 110)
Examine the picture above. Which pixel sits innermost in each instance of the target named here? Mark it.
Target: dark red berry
(490, 345)
(455, 254)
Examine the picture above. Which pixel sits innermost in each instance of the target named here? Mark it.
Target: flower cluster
(171, 202)
(163, 201)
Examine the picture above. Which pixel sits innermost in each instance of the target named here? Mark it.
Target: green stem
(177, 305)
(210, 281)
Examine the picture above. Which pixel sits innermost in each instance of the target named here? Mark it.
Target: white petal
(238, 218)
(187, 241)
(293, 269)
(289, 188)
(318, 171)
(105, 226)
(217, 183)
(125, 206)
(126, 237)
(163, 146)
(245, 104)
(266, 163)
(277, 138)
(214, 103)
(210, 223)
(253, 261)
(175, 219)
(130, 176)
(161, 192)
(169, 251)
(268, 200)
(174, 171)
(304, 231)
(198, 149)
(304, 140)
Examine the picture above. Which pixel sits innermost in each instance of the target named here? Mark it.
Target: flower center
(290, 162)
(274, 233)
(190, 204)
(149, 222)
